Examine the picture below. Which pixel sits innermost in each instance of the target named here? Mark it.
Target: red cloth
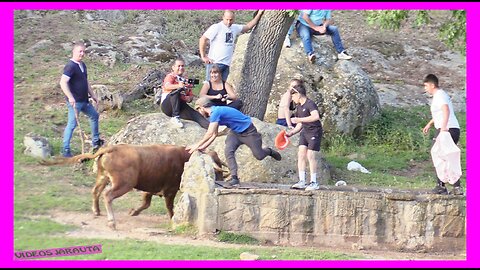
(281, 140)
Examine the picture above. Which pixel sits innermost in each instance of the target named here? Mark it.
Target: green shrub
(236, 238)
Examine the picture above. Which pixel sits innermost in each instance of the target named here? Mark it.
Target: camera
(188, 81)
(193, 81)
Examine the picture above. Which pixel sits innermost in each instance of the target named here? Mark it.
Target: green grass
(228, 237)
(34, 234)
(186, 230)
(392, 144)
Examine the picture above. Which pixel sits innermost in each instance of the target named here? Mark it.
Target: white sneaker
(299, 185)
(313, 186)
(176, 122)
(344, 56)
(286, 42)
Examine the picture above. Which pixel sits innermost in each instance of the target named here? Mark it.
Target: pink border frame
(6, 52)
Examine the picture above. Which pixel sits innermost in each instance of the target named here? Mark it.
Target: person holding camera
(220, 92)
(176, 93)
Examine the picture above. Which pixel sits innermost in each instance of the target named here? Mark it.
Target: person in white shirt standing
(443, 119)
(221, 37)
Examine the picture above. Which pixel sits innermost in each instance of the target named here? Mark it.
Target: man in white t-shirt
(443, 119)
(222, 37)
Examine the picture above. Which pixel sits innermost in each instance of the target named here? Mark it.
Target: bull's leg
(100, 185)
(147, 199)
(169, 203)
(114, 192)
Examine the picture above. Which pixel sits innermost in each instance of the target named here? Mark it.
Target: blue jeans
(306, 33)
(292, 27)
(90, 111)
(223, 68)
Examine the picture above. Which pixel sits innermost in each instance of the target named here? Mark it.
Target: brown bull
(154, 169)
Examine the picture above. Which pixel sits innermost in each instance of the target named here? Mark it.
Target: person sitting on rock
(287, 105)
(319, 22)
(220, 92)
(175, 95)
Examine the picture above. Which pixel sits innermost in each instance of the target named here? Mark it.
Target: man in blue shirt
(242, 131)
(75, 86)
(319, 22)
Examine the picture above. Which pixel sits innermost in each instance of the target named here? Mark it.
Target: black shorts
(311, 139)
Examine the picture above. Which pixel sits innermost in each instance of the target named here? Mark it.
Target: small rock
(246, 256)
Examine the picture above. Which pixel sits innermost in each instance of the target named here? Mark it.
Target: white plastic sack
(355, 166)
(340, 183)
(446, 158)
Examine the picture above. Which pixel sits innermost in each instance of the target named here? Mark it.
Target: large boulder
(156, 128)
(344, 93)
(37, 146)
(107, 100)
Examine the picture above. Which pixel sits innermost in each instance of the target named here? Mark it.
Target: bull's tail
(75, 159)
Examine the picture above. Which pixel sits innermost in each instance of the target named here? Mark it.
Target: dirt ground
(154, 228)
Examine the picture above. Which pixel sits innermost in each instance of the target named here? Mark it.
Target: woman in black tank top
(219, 92)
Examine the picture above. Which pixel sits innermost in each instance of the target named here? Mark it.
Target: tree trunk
(260, 61)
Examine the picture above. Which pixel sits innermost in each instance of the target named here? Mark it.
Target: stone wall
(344, 217)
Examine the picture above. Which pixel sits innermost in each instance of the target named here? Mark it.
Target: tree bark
(260, 61)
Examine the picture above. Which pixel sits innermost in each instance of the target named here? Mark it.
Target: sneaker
(312, 58)
(275, 154)
(457, 190)
(440, 190)
(67, 154)
(344, 56)
(97, 146)
(313, 186)
(234, 182)
(299, 185)
(176, 122)
(286, 42)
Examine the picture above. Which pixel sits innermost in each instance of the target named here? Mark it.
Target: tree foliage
(452, 31)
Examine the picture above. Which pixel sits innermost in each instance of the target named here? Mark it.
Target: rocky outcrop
(156, 128)
(107, 100)
(151, 83)
(37, 146)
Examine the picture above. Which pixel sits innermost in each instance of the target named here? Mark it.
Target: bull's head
(218, 164)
